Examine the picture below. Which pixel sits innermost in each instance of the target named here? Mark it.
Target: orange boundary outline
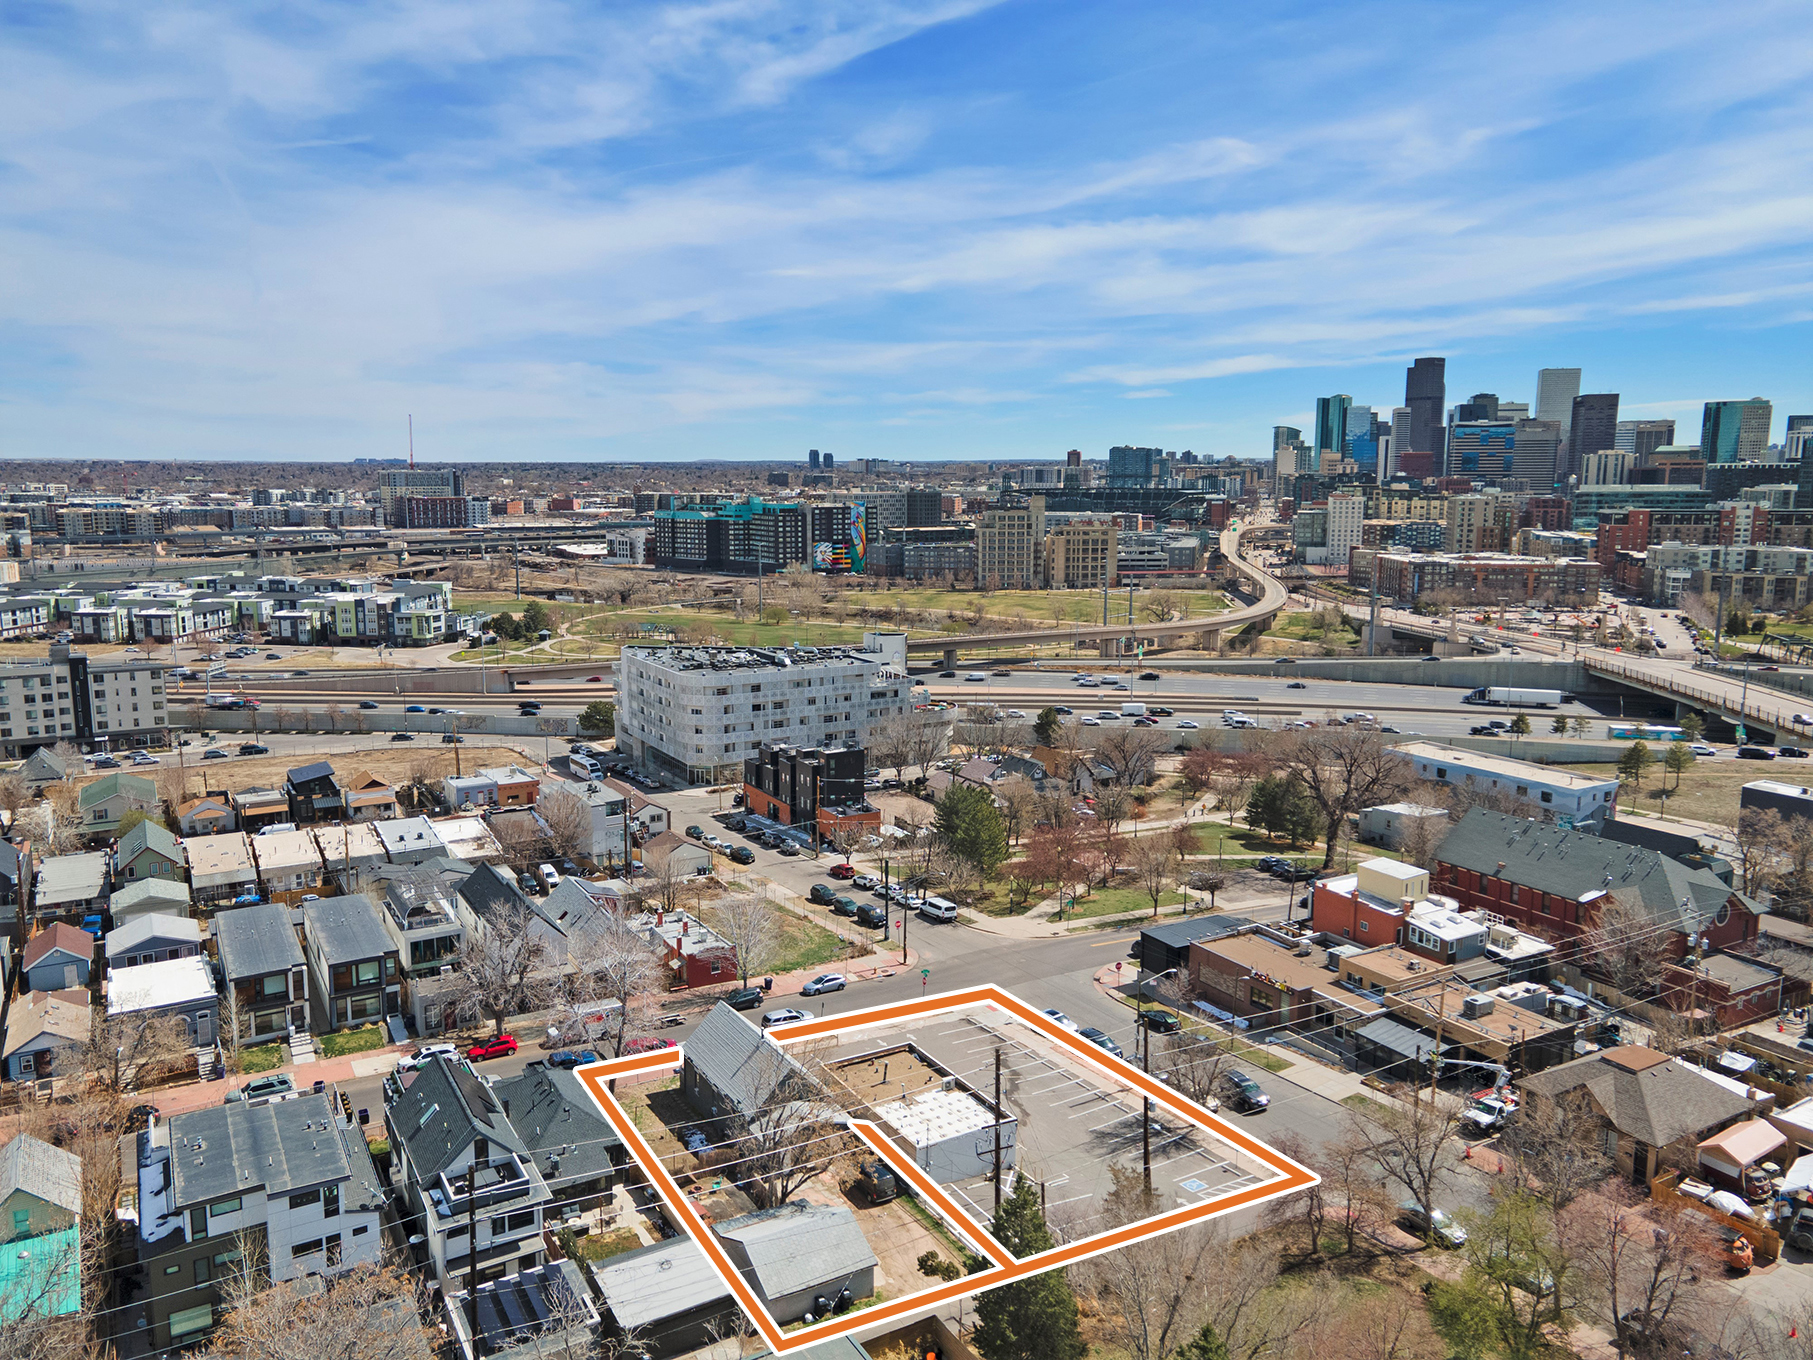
(1291, 1176)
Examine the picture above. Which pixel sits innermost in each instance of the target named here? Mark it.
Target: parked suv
(744, 999)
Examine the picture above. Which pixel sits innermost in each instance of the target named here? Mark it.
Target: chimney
(1501, 866)
(683, 925)
(660, 917)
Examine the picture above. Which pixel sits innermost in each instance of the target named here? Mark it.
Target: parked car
(824, 982)
(550, 878)
(500, 1047)
(1064, 1021)
(842, 872)
(877, 1182)
(845, 906)
(872, 916)
(786, 1015)
(786, 849)
(106, 763)
(821, 894)
(1243, 1093)
(426, 1054)
(744, 999)
(864, 882)
(1434, 1222)
(264, 1090)
(1700, 748)
(216, 754)
(742, 854)
(695, 832)
(1160, 1021)
(252, 748)
(449, 739)
(143, 758)
(1100, 1039)
(646, 1044)
(1486, 1116)
(570, 1058)
(528, 884)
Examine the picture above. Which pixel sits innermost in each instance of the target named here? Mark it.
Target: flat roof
(1781, 790)
(149, 986)
(932, 1116)
(1555, 776)
(225, 853)
(286, 850)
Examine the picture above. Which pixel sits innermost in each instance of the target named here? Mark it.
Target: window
(306, 1198)
(1365, 926)
(1547, 797)
(21, 1221)
(222, 1207)
(368, 973)
(275, 985)
(330, 1202)
(198, 1223)
(302, 1249)
(201, 1270)
(333, 1250)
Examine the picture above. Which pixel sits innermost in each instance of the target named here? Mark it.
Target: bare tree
(15, 793)
(370, 1312)
(751, 924)
(1637, 1277)
(890, 742)
(1624, 946)
(1131, 754)
(1153, 1288)
(502, 965)
(606, 961)
(1018, 802)
(1554, 1148)
(1343, 769)
(69, 756)
(786, 1144)
(1761, 855)
(1411, 1140)
(1153, 866)
(1420, 838)
(1193, 1067)
(928, 739)
(125, 1049)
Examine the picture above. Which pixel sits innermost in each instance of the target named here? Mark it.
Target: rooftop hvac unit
(1473, 1007)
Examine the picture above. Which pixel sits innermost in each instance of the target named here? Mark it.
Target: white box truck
(1133, 710)
(1506, 695)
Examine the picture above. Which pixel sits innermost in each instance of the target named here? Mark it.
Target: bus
(1643, 732)
(231, 701)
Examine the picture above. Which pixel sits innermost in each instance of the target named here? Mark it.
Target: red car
(594, 679)
(842, 871)
(502, 1046)
(646, 1045)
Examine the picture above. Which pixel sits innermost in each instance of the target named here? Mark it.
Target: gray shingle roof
(160, 891)
(739, 1061)
(257, 940)
(152, 835)
(1572, 864)
(155, 925)
(490, 890)
(303, 774)
(554, 1116)
(281, 1147)
(36, 1167)
(346, 929)
(1645, 1094)
(1178, 933)
(655, 1283)
(440, 1113)
(799, 1245)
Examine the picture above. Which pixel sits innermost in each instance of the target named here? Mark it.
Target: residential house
(668, 853)
(1653, 1110)
(420, 916)
(353, 854)
(667, 1292)
(148, 897)
(1509, 1025)
(1552, 883)
(608, 813)
(263, 970)
(468, 839)
(289, 864)
(799, 1252)
(259, 808)
(490, 894)
(179, 988)
(568, 916)
(731, 1070)
(511, 786)
(468, 791)
(450, 1138)
(47, 1034)
(56, 958)
(221, 870)
(149, 850)
(544, 1311)
(43, 767)
(152, 938)
(410, 840)
(353, 962)
(103, 804)
(295, 1176)
(369, 798)
(40, 1228)
(208, 815)
(71, 885)
(693, 953)
(15, 875)
(313, 794)
(562, 1131)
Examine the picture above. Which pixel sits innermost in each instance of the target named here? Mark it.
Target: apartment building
(691, 715)
(1081, 554)
(1010, 546)
(68, 697)
(1486, 577)
(1554, 794)
(291, 1181)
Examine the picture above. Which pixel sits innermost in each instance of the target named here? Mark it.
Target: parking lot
(1075, 1122)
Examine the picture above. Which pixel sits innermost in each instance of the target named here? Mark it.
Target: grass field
(340, 1044)
(1113, 901)
(1708, 792)
(260, 1059)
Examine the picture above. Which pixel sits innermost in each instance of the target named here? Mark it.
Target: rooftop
(71, 878)
(346, 929)
(154, 986)
(1645, 1093)
(154, 925)
(257, 940)
(1549, 776)
(799, 1245)
(286, 850)
(747, 658)
(59, 936)
(282, 1147)
(645, 1287)
(227, 854)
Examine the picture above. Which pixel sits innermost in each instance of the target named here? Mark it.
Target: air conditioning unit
(1473, 1007)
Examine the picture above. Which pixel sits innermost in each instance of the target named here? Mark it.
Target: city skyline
(919, 230)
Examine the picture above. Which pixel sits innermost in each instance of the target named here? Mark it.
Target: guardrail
(1776, 718)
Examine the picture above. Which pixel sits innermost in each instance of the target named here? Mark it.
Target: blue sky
(899, 228)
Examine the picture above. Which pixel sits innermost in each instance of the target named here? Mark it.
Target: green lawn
(261, 1059)
(340, 1044)
(1357, 1101)
(803, 944)
(1112, 901)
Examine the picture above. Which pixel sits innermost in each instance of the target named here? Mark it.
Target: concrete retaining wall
(427, 728)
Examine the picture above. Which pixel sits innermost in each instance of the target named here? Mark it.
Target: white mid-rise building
(689, 715)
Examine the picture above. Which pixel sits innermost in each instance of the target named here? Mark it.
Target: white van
(979, 677)
(549, 878)
(583, 766)
(938, 909)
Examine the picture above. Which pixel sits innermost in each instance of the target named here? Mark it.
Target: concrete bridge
(1270, 592)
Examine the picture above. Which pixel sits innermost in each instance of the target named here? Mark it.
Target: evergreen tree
(1205, 1345)
(535, 617)
(1677, 760)
(1045, 726)
(1635, 763)
(1559, 726)
(1520, 725)
(969, 823)
(599, 716)
(1031, 1319)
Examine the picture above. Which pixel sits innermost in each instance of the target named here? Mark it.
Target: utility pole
(1435, 1057)
(516, 548)
(997, 1129)
(472, 1247)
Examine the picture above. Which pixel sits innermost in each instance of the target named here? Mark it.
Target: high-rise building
(1556, 389)
(1641, 438)
(1010, 546)
(1134, 467)
(398, 482)
(827, 461)
(1593, 427)
(1360, 441)
(1074, 458)
(1798, 443)
(1331, 422)
(812, 458)
(1735, 431)
(1607, 467)
(1346, 524)
(1426, 394)
(1481, 448)
(1081, 554)
(1536, 445)
(1288, 451)
(1481, 406)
